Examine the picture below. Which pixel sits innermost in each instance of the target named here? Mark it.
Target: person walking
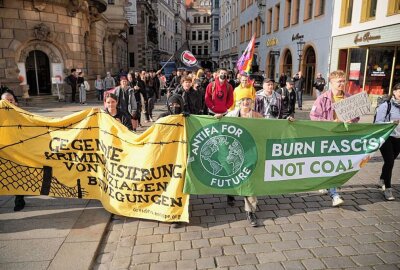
(109, 82)
(219, 94)
(319, 84)
(112, 109)
(268, 102)
(288, 99)
(299, 85)
(244, 86)
(99, 86)
(126, 98)
(323, 110)
(389, 112)
(245, 110)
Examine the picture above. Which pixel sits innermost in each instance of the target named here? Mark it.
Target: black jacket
(288, 101)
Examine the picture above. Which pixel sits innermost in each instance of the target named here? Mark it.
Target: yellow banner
(91, 155)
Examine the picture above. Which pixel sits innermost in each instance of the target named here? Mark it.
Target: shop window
(269, 24)
(356, 69)
(295, 13)
(368, 10)
(393, 7)
(276, 17)
(288, 13)
(319, 8)
(379, 70)
(308, 9)
(346, 13)
(396, 75)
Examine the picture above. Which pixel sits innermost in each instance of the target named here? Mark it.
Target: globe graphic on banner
(222, 156)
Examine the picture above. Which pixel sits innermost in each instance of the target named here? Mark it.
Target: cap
(241, 94)
(289, 80)
(268, 80)
(123, 78)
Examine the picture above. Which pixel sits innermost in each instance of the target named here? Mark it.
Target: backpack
(380, 101)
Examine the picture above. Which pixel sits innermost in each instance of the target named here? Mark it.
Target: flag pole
(166, 63)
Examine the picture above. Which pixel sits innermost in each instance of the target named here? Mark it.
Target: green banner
(240, 156)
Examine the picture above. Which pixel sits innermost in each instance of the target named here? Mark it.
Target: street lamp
(300, 46)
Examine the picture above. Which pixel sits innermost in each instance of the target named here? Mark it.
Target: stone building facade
(199, 31)
(40, 41)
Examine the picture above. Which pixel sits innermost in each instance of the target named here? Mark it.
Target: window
(393, 7)
(346, 12)
(242, 5)
(200, 35)
(249, 30)
(199, 49)
(269, 24)
(308, 9)
(193, 35)
(216, 24)
(194, 51)
(205, 50)
(132, 59)
(176, 28)
(131, 30)
(258, 26)
(276, 19)
(205, 35)
(319, 8)
(288, 12)
(295, 12)
(242, 33)
(208, 19)
(368, 10)
(216, 45)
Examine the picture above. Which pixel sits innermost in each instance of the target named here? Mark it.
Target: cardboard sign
(352, 107)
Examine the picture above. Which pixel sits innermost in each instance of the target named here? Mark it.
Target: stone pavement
(299, 231)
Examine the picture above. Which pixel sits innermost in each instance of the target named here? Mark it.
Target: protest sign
(352, 107)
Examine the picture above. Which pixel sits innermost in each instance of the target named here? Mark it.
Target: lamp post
(300, 46)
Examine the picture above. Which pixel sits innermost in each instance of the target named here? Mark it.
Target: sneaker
(336, 201)
(177, 225)
(251, 217)
(381, 184)
(230, 200)
(388, 194)
(19, 203)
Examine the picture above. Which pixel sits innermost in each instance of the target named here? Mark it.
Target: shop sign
(297, 36)
(272, 42)
(365, 38)
(378, 72)
(278, 53)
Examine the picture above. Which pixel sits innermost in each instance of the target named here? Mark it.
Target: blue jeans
(332, 192)
(299, 97)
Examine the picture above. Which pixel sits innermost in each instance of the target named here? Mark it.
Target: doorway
(309, 75)
(38, 73)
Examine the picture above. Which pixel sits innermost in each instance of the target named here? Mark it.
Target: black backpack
(380, 101)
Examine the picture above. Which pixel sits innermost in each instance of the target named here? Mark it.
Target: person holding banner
(111, 109)
(389, 112)
(323, 110)
(19, 202)
(245, 110)
(126, 98)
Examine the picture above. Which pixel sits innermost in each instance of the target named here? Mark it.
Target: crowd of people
(224, 93)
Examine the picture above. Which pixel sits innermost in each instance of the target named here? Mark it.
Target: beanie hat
(242, 93)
